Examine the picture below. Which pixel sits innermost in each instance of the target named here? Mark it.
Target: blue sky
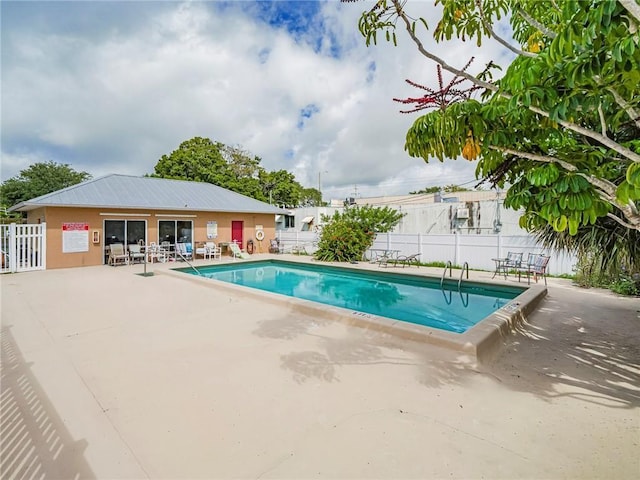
(110, 87)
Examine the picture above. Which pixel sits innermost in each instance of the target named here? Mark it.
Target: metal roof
(124, 191)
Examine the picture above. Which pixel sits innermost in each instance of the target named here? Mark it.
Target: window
(175, 231)
(289, 221)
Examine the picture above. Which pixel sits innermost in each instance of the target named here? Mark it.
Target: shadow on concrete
(591, 354)
(35, 442)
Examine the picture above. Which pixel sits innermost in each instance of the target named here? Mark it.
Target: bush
(626, 285)
(342, 242)
(346, 236)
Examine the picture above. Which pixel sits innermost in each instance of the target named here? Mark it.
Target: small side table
(501, 267)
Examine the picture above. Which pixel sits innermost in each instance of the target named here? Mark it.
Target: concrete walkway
(108, 374)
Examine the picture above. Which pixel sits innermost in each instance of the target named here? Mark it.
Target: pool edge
(482, 341)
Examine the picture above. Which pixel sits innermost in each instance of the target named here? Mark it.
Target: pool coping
(481, 342)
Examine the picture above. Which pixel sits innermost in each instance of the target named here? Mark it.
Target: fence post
(42, 248)
(13, 251)
(499, 245)
(456, 250)
(420, 247)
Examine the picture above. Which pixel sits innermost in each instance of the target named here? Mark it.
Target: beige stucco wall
(94, 217)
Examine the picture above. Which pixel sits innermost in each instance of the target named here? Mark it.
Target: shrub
(346, 236)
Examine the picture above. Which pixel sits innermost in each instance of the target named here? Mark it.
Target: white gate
(23, 247)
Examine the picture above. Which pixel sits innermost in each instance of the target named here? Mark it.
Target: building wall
(485, 217)
(94, 218)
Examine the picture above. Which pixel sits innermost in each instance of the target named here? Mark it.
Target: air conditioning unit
(462, 213)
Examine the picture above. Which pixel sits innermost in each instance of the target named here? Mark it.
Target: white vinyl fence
(23, 247)
(477, 250)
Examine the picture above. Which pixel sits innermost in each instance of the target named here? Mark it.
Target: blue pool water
(409, 298)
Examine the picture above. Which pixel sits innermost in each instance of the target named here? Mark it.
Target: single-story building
(84, 219)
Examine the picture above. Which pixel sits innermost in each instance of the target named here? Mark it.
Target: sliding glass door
(175, 231)
(125, 232)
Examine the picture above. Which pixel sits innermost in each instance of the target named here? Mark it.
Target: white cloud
(118, 101)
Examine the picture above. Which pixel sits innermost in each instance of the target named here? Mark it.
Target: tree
(198, 160)
(39, 179)
(203, 160)
(561, 128)
(346, 236)
(280, 187)
(311, 197)
(446, 189)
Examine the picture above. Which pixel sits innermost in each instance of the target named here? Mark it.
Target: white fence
(477, 250)
(23, 247)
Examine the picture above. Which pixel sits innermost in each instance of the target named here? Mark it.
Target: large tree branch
(632, 7)
(603, 122)
(499, 39)
(622, 222)
(605, 186)
(604, 140)
(634, 115)
(606, 189)
(533, 22)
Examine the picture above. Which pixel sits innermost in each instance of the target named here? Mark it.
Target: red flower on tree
(443, 97)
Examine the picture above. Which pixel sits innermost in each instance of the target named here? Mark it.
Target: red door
(236, 232)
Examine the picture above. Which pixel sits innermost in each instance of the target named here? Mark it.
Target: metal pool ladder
(465, 268)
(445, 272)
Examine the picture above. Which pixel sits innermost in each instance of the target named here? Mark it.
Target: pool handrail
(465, 266)
(445, 272)
(178, 253)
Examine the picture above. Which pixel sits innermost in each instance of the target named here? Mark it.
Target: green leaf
(633, 174)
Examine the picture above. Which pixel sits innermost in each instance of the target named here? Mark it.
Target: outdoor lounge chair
(407, 260)
(117, 255)
(236, 252)
(536, 267)
(386, 258)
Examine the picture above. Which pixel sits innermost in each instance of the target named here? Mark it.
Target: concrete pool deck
(108, 374)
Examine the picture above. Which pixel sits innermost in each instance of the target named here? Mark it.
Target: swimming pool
(408, 298)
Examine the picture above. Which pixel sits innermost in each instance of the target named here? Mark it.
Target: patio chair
(385, 259)
(209, 250)
(184, 251)
(536, 268)
(117, 255)
(135, 253)
(155, 253)
(408, 260)
(514, 260)
(274, 246)
(236, 252)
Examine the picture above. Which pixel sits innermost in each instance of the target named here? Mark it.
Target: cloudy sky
(110, 87)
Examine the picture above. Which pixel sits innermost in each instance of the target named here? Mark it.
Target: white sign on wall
(212, 229)
(75, 237)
